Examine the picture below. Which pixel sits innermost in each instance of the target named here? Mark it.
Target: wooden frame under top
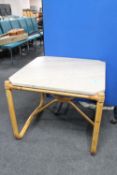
(59, 96)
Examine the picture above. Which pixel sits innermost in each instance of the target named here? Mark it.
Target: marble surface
(82, 76)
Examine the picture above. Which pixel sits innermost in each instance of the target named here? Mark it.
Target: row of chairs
(28, 24)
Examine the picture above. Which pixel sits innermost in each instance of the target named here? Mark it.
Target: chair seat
(72, 75)
(13, 45)
(33, 36)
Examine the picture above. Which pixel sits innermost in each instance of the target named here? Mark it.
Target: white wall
(17, 5)
(36, 3)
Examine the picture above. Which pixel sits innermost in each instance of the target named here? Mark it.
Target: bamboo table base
(58, 97)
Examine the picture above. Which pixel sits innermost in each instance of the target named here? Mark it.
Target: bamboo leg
(11, 53)
(40, 108)
(96, 124)
(96, 127)
(12, 112)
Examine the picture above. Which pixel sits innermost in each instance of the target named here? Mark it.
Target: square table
(65, 79)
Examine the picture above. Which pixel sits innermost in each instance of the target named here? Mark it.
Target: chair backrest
(15, 24)
(29, 25)
(5, 25)
(35, 25)
(23, 24)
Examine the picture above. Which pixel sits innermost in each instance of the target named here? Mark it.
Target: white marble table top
(81, 76)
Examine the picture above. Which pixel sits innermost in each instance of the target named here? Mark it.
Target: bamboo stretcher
(58, 96)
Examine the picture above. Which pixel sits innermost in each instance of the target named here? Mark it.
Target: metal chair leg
(11, 55)
(115, 112)
(28, 48)
(58, 109)
(114, 119)
(35, 44)
(57, 112)
(20, 50)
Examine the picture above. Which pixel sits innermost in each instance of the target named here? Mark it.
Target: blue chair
(35, 26)
(28, 27)
(11, 46)
(1, 31)
(5, 26)
(26, 24)
(33, 35)
(15, 24)
(22, 24)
